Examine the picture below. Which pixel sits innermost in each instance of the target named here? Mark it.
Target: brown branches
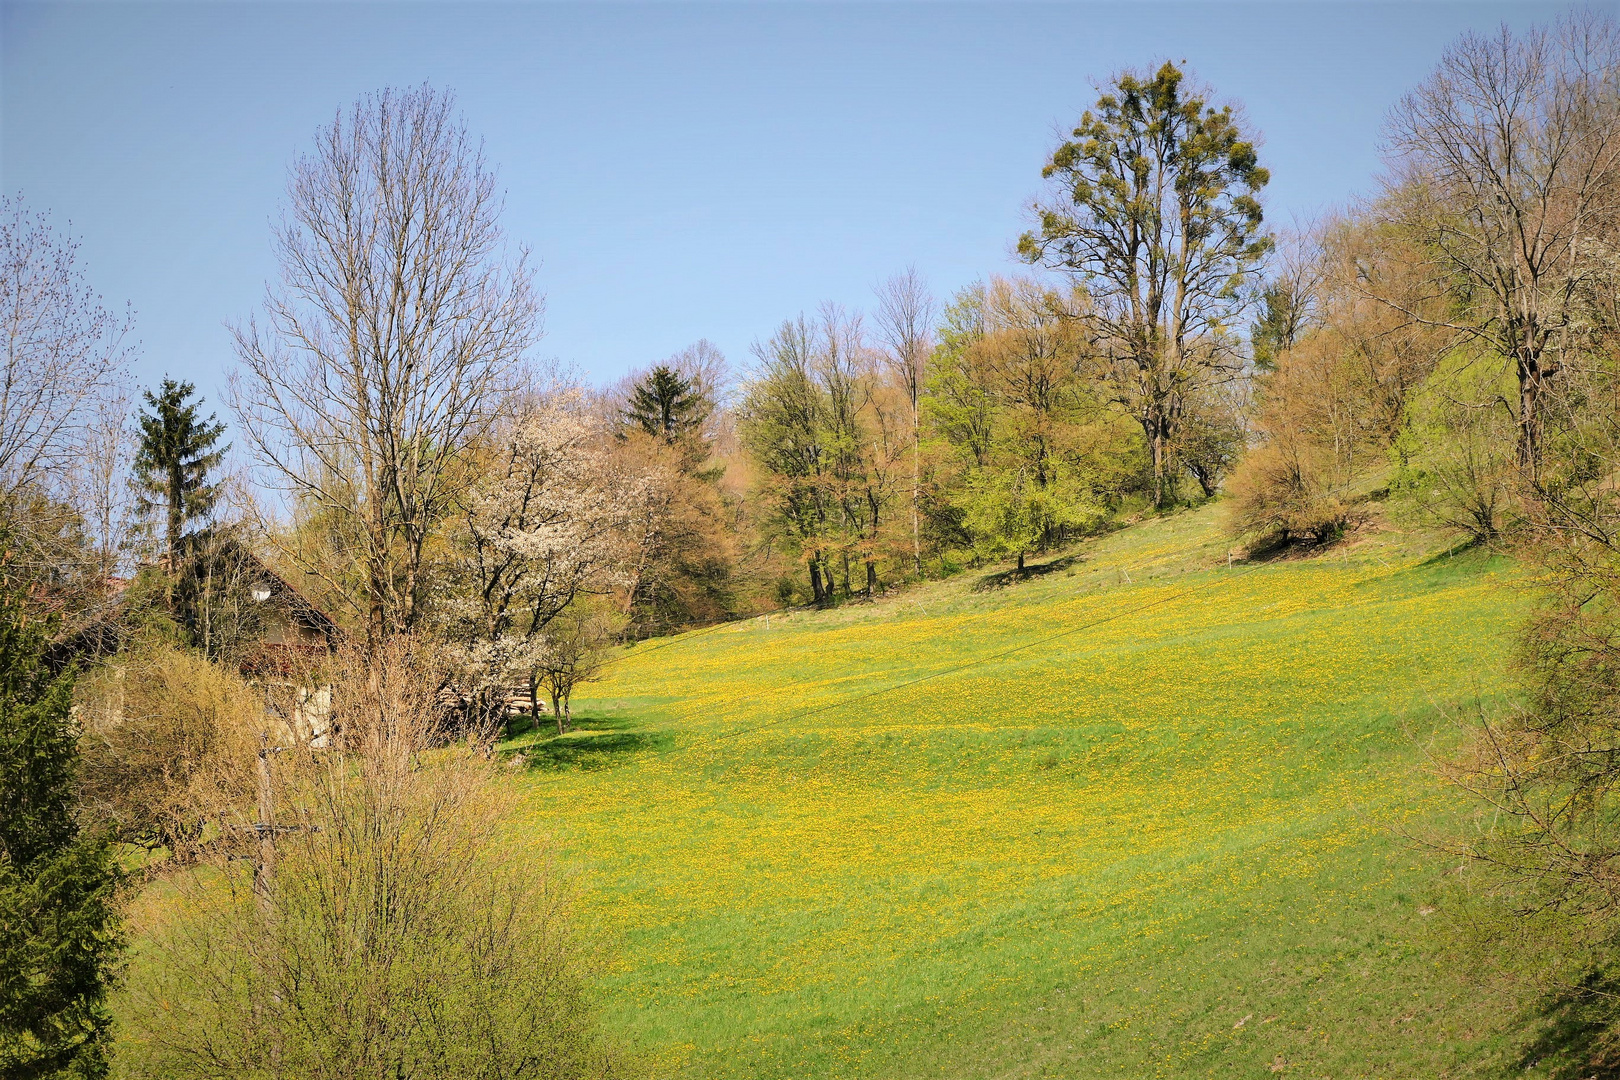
(398, 325)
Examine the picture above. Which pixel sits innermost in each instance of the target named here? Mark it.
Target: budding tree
(1155, 211)
(394, 334)
(1507, 166)
(904, 317)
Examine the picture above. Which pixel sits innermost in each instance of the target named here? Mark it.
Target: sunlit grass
(1157, 841)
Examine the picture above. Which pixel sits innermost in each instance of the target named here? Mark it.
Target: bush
(1455, 461)
(169, 744)
(392, 932)
(1280, 495)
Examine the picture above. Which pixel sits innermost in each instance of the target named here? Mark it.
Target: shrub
(390, 931)
(169, 744)
(1280, 495)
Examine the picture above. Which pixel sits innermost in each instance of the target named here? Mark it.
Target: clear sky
(679, 170)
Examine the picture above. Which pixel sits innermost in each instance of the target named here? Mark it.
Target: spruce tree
(60, 935)
(176, 454)
(665, 404)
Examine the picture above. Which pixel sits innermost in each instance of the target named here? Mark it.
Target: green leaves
(59, 932)
(175, 457)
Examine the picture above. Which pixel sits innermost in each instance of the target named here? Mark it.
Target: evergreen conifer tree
(60, 935)
(665, 404)
(172, 466)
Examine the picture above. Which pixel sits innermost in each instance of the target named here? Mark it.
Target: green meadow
(1146, 813)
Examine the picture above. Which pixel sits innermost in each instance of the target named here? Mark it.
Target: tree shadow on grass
(1461, 547)
(593, 743)
(1577, 1040)
(1004, 578)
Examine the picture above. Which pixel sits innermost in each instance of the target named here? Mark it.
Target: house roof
(101, 630)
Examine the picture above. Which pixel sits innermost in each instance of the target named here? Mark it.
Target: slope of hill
(1139, 815)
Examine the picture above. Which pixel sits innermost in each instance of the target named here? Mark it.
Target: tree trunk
(817, 593)
(534, 701)
(1156, 443)
(1206, 480)
(1532, 381)
(176, 519)
(556, 710)
(871, 579)
(1020, 563)
(916, 483)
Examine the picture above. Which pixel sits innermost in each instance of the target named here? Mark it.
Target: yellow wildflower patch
(817, 865)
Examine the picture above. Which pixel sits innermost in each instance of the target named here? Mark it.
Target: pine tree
(60, 936)
(177, 452)
(665, 404)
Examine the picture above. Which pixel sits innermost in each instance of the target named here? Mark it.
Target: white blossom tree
(553, 516)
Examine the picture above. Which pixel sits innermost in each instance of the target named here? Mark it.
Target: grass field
(1140, 818)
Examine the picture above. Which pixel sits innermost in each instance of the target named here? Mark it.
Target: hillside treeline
(408, 520)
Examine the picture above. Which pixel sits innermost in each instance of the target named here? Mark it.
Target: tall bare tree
(65, 354)
(399, 322)
(1155, 211)
(1507, 165)
(905, 318)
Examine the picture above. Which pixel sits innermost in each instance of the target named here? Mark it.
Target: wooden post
(264, 863)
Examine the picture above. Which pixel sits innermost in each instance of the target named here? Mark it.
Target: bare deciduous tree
(65, 354)
(905, 318)
(1507, 166)
(398, 326)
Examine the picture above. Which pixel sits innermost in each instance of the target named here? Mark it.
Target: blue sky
(678, 170)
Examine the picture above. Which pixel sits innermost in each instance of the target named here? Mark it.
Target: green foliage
(1031, 455)
(173, 463)
(806, 420)
(666, 405)
(60, 935)
(1155, 211)
(1280, 324)
(1009, 513)
(1453, 461)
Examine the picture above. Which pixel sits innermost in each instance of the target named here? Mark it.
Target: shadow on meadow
(1003, 578)
(1577, 1040)
(596, 742)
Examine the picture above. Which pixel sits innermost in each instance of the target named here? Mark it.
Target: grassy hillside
(1140, 823)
